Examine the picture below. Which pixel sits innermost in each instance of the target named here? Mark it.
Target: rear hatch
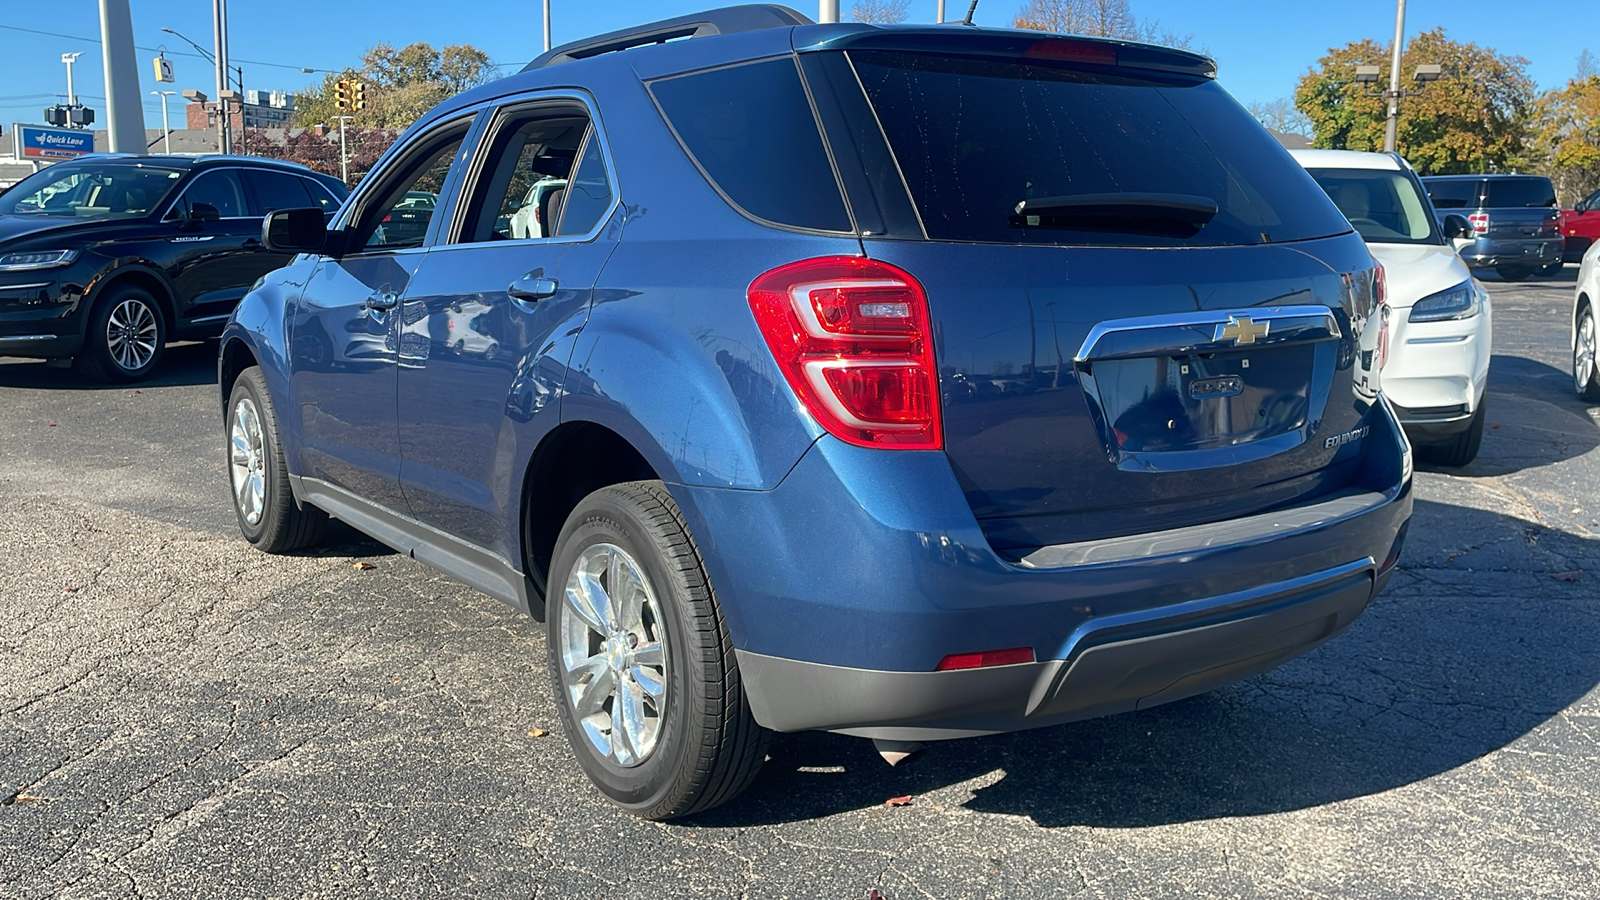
(1505, 209)
(1146, 314)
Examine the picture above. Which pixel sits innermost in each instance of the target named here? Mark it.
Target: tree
(1476, 116)
(1281, 116)
(321, 151)
(880, 12)
(1568, 142)
(1096, 18)
(401, 84)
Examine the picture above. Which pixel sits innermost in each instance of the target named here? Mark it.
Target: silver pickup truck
(1514, 219)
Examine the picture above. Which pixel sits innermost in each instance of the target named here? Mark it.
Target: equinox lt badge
(1349, 437)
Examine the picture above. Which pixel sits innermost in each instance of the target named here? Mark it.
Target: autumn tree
(1568, 141)
(880, 12)
(1476, 116)
(1096, 18)
(401, 84)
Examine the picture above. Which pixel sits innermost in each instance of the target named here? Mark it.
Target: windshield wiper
(1171, 215)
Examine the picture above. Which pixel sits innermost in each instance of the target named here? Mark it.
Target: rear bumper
(1486, 252)
(847, 584)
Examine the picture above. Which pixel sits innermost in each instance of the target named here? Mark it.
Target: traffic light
(55, 115)
(358, 95)
(341, 95)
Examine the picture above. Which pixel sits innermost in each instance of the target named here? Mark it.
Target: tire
(259, 479)
(1462, 448)
(695, 745)
(1586, 357)
(124, 337)
(1513, 273)
(1554, 268)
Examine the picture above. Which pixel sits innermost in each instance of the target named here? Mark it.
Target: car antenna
(970, 10)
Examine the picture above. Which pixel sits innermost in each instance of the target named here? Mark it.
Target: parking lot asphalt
(181, 716)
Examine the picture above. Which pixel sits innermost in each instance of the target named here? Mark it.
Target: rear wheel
(267, 513)
(1552, 268)
(1461, 448)
(1586, 358)
(641, 662)
(124, 337)
(1513, 273)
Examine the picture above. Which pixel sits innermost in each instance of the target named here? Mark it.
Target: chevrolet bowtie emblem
(1242, 330)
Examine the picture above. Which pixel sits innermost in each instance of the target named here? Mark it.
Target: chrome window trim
(503, 114)
(1207, 317)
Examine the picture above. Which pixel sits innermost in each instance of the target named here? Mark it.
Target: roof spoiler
(728, 20)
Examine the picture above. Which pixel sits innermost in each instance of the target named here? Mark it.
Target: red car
(1580, 227)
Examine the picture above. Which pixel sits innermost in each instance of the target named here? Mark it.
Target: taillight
(386, 219)
(1480, 222)
(1380, 297)
(854, 341)
(985, 659)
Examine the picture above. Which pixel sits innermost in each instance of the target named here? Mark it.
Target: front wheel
(1461, 448)
(1586, 358)
(124, 337)
(262, 500)
(640, 659)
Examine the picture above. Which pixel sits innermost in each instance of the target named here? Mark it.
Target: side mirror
(1457, 226)
(295, 230)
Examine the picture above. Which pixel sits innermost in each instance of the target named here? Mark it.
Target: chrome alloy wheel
(613, 655)
(1583, 355)
(131, 334)
(247, 461)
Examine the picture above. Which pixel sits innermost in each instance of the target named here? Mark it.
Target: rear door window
(975, 138)
(751, 130)
(276, 190)
(218, 188)
(1509, 192)
(1453, 194)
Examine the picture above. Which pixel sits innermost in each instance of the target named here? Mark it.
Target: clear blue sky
(1261, 47)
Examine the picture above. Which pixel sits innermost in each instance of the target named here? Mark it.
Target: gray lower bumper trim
(1183, 541)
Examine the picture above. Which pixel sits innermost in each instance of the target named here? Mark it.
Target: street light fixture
(69, 59)
(1367, 74)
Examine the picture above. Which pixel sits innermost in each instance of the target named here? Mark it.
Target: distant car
(105, 259)
(1585, 342)
(1580, 227)
(1514, 220)
(407, 221)
(1440, 333)
(528, 221)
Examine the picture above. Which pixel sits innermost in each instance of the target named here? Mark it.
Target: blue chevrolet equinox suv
(910, 383)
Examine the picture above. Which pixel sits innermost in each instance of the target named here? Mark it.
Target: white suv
(1439, 315)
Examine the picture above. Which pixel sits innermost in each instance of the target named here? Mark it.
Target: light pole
(344, 158)
(827, 11)
(224, 127)
(69, 59)
(941, 10)
(547, 25)
(166, 132)
(1393, 122)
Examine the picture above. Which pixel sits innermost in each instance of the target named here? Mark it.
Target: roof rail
(728, 20)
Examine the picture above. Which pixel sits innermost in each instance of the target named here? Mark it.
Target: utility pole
(1394, 77)
(69, 59)
(547, 25)
(344, 157)
(219, 37)
(166, 131)
(941, 11)
(827, 10)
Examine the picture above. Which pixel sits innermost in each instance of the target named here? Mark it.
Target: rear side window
(276, 190)
(751, 130)
(322, 196)
(218, 188)
(974, 138)
(1508, 192)
(1454, 194)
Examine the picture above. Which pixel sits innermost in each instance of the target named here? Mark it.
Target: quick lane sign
(41, 142)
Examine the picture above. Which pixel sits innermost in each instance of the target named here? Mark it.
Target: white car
(1440, 331)
(527, 222)
(1585, 305)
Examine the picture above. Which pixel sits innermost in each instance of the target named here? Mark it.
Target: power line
(73, 37)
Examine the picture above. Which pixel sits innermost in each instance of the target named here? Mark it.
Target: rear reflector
(852, 337)
(1480, 222)
(1072, 51)
(986, 659)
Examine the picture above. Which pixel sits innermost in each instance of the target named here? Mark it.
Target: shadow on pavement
(181, 364)
(1473, 645)
(1535, 419)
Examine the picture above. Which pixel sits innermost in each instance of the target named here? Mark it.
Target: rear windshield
(1508, 192)
(1385, 206)
(1454, 194)
(976, 138)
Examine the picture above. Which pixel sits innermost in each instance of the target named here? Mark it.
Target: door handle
(382, 300)
(532, 287)
(252, 244)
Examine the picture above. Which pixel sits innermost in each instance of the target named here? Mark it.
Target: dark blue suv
(910, 383)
